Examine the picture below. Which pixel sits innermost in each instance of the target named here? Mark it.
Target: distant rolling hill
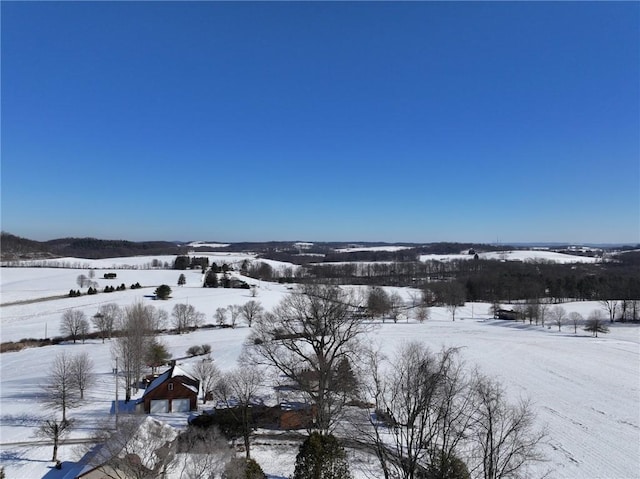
(13, 247)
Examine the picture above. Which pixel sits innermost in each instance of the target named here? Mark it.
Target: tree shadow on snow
(64, 471)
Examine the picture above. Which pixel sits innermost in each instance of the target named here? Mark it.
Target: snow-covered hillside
(516, 255)
(585, 390)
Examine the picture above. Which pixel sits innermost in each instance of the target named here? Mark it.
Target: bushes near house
(243, 468)
(321, 456)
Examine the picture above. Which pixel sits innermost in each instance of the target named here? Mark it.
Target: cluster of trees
(483, 279)
(191, 262)
(229, 316)
(211, 280)
(67, 380)
(143, 448)
(431, 417)
(107, 289)
(136, 345)
(199, 350)
(444, 421)
(111, 289)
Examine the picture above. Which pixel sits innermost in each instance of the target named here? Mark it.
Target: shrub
(242, 468)
(194, 351)
(321, 457)
(163, 291)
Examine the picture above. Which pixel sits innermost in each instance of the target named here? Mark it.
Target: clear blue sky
(412, 121)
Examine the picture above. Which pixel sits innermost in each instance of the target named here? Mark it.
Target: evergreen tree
(211, 280)
(163, 291)
(321, 457)
(157, 355)
(181, 262)
(182, 279)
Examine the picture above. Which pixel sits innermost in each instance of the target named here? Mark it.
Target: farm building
(506, 314)
(175, 390)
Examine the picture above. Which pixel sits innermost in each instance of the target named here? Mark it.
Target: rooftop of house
(186, 379)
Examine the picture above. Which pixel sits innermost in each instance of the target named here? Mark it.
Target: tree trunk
(55, 448)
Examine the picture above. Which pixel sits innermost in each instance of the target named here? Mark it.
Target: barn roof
(185, 378)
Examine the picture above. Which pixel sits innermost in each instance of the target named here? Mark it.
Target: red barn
(175, 390)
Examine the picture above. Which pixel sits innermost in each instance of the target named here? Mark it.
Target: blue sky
(242, 121)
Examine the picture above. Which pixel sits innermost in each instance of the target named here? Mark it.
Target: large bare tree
(611, 306)
(576, 319)
(106, 318)
(185, 317)
(60, 388)
(595, 324)
(308, 335)
(235, 311)
(558, 316)
(82, 376)
(141, 448)
(251, 310)
(208, 374)
(54, 431)
(202, 453)
(137, 327)
(504, 436)
(238, 390)
(423, 411)
(74, 324)
(378, 302)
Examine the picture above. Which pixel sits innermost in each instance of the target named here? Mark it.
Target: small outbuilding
(175, 390)
(508, 314)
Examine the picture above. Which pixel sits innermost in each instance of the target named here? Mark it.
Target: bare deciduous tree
(82, 376)
(60, 388)
(543, 312)
(422, 313)
(141, 448)
(504, 436)
(111, 314)
(137, 327)
(309, 333)
(378, 302)
(576, 319)
(208, 374)
(595, 324)
(611, 307)
(558, 316)
(251, 310)
(54, 430)
(424, 400)
(185, 317)
(221, 316)
(82, 280)
(235, 311)
(454, 296)
(74, 324)
(238, 389)
(202, 453)
(395, 305)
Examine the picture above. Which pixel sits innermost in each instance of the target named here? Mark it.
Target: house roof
(184, 377)
(148, 433)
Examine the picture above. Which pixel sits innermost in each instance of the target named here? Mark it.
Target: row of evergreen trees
(108, 289)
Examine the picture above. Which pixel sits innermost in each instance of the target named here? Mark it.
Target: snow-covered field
(586, 391)
(516, 255)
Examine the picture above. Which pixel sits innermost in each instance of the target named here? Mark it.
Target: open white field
(516, 255)
(586, 391)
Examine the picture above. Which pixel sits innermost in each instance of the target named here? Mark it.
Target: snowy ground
(586, 391)
(517, 255)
